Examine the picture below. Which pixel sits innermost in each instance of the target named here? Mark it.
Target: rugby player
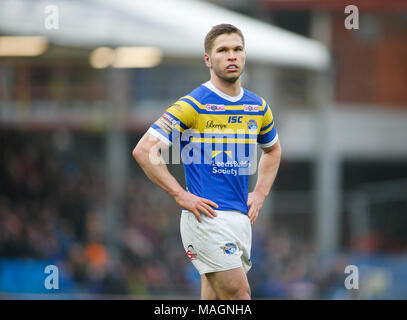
(218, 127)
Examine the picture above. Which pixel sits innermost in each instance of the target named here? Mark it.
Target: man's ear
(207, 60)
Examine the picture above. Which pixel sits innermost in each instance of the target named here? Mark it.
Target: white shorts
(217, 244)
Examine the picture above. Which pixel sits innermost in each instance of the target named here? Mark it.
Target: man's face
(227, 57)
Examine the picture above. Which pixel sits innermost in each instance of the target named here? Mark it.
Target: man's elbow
(278, 150)
(139, 153)
(278, 153)
(274, 150)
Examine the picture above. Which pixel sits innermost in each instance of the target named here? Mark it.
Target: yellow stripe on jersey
(267, 119)
(267, 130)
(264, 103)
(227, 107)
(224, 123)
(216, 152)
(223, 140)
(184, 112)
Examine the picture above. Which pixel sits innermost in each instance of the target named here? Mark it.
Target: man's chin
(231, 79)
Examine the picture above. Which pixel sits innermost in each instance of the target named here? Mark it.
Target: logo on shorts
(191, 252)
(229, 248)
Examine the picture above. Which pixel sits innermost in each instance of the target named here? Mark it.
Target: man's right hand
(196, 204)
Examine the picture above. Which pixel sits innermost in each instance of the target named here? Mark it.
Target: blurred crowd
(53, 207)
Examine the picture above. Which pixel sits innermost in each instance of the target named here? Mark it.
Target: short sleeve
(268, 132)
(177, 118)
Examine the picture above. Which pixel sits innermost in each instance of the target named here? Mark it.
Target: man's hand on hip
(196, 204)
(255, 202)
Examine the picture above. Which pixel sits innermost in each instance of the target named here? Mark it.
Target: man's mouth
(232, 67)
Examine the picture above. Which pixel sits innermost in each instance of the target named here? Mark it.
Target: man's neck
(231, 89)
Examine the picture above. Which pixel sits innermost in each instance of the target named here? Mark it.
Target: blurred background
(80, 83)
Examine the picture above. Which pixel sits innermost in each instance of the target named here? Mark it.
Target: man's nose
(232, 55)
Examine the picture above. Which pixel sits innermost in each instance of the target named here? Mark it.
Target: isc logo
(235, 119)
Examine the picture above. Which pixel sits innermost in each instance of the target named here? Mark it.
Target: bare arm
(267, 172)
(147, 154)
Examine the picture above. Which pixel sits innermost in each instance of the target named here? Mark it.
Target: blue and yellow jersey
(217, 136)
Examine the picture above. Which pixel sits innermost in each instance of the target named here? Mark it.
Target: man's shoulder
(252, 98)
(197, 95)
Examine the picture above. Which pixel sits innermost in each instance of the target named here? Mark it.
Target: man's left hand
(255, 202)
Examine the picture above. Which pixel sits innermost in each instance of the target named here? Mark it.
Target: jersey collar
(211, 87)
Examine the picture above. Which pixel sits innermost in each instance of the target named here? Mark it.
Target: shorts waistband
(219, 211)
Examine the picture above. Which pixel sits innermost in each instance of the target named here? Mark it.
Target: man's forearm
(158, 173)
(267, 171)
(148, 155)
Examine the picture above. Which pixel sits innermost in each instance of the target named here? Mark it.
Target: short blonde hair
(218, 30)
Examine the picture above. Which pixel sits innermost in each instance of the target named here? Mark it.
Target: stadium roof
(177, 27)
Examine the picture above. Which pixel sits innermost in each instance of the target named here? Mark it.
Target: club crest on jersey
(252, 125)
(229, 248)
(215, 107)
(191, 252)
(250, 108)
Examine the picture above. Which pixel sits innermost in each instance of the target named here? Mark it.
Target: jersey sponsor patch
(215, 107)
(251, 108)
(169, 118)
(166, 122)
(213, 125)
